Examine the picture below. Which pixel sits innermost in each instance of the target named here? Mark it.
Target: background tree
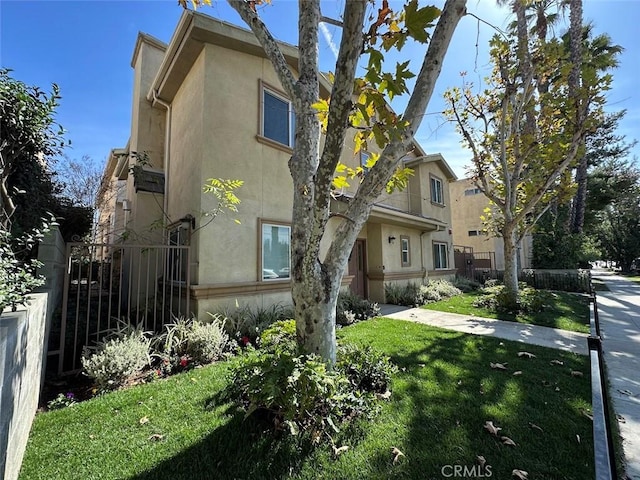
(610, 176)
(619, 229)
(525, 131)
(79, 180)
(315, 280)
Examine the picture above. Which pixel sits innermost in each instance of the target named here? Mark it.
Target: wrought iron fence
(107, 285)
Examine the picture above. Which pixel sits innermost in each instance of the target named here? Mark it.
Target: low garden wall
(23, 354)
(22, 338)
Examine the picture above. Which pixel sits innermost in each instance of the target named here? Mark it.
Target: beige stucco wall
(466, 212)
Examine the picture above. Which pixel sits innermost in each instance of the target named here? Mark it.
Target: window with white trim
(437, 193)
(276, 251)
(405, 251)
(278, 119)
(440, 256)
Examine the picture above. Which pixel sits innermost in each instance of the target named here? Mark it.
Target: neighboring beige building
(468, 204)
(209, 105)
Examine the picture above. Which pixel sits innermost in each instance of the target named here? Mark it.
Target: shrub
(62, 401)
(299, 394)
(188, 340)
(437, 290)
(242, 321)
(366, 369)
(465, 285)
(206, 342)
(281, 334)
(529, 300)
(116, 360)
(352, 308)
(408, 295)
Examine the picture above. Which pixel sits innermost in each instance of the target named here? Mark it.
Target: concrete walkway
(530, 334)
(619, 313)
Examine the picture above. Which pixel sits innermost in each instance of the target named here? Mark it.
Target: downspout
(424, 269)
(167, 155)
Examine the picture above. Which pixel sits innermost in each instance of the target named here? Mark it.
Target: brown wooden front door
(358, 268)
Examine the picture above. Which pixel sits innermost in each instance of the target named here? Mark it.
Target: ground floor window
(405, 253)
(276, 251)
(440, 256)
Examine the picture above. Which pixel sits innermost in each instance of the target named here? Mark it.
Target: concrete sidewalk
(619, 313)
(530, 334)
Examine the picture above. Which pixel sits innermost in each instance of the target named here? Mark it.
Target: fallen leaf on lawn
(315, 436)
(578, 438)
(520, 474)
(384, 396)
(556, 362)
(396, 454)
(498, 366)
(156, 437)
(508, 441)
(338, 451)
(576, 373)
(535, 427)
(480, 460)
(519, 372)
(144, 420)
(421, 365)
(526, 354)
(92, 437)
(557, 389)
(491, 428)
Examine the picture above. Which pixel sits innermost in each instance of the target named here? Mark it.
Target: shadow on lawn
(441, 399)
(237, 450)
(446, 426)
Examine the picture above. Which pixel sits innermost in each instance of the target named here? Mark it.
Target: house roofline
(194, 30)
(145, 38)
(433, 157)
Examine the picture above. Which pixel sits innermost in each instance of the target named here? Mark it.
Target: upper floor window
(472, 191)
(440, 257)
(278, 119)
(405, 251)
(276, 251)
(437, 193)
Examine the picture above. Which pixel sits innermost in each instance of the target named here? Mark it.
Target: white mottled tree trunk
(314, 283)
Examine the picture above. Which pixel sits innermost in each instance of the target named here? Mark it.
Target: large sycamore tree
(353, 102)
(526, 129)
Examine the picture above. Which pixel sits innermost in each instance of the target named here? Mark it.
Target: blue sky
(86, 46)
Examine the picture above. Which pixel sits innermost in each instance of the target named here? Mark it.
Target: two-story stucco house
(209, 105)
(481, 250)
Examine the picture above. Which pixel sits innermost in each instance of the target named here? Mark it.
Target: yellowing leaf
(340, 182)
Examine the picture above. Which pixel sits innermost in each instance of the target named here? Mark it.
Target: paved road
(619, 313)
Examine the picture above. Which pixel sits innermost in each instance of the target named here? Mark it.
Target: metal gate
(109, 285)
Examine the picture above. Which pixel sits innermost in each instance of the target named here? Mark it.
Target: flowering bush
(61, 401)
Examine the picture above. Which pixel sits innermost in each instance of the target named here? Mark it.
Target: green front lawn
(444, 393)
(567, 312)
